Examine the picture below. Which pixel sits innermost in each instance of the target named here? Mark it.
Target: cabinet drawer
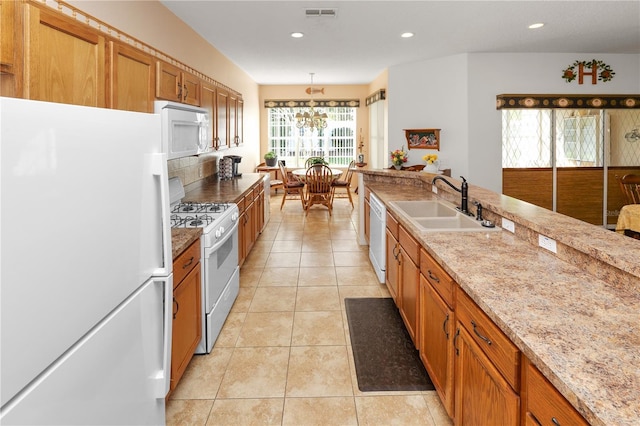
(392, 225)
(186, 262)
(437, 277)
(493, 342)
(409, 244)
(546, 404)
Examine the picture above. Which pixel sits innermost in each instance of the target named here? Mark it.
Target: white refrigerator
(85, 266)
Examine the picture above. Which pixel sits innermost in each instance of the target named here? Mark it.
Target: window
(336, 143)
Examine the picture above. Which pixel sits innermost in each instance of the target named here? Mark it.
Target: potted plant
(316, 161)
(270, 158)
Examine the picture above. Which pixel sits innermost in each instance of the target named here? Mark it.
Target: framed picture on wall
(423, 138)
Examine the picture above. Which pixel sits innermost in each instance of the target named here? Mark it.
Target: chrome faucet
(463, 190)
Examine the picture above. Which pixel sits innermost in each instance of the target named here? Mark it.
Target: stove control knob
(234, 217)
(219, 232)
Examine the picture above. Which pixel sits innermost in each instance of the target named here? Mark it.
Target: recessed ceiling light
(538, 25)
(297, 35)
(406, 35)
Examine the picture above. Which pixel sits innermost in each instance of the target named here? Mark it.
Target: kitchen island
(575, 314)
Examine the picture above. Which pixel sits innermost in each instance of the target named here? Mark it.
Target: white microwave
(186, 130)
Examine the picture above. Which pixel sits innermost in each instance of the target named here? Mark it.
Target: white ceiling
(364, 37)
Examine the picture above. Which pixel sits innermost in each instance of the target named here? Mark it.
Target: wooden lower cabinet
(187, 311)
(409, 283)
(437, 327)
(542, 404)
(482, 395)
(392, 261)
(251, 220)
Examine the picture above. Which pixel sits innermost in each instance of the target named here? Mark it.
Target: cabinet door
(249, 235)
(409, 294)
(131, 79)
(7, 21)
(191, 89)
(187, 330)
(222, 120)
(240, 121)
(208, 102)
(482, 395)
(65, 62)
(242, 252)
(392, 274)
(233, 130)
(168, 82)
(437, 327)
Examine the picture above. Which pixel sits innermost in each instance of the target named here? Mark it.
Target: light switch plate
(547, 243)
(434, 189)
(508, 225)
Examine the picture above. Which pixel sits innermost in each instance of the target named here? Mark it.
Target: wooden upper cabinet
(208, 102)
(65, 61)
(191, 88)
(173, 84)
(233, 106)
(240, 121)
(222, 118)
(131, 79)
(7, 41)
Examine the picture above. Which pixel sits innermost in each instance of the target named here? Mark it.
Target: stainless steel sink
(439, 216)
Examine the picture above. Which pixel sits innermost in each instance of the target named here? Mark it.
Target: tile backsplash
(193, 169)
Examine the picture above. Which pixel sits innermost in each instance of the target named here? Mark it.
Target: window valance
(380, 95)
(568, 101)
(295, 103)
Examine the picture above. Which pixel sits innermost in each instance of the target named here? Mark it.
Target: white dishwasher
(377, 237)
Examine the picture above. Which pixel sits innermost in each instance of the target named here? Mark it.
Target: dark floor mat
(385, 357)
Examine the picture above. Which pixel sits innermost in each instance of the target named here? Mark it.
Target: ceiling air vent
(320, 13)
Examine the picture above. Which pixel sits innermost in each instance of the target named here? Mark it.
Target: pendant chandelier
(311, 119)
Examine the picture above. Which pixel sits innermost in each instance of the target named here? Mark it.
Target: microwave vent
(320, 13)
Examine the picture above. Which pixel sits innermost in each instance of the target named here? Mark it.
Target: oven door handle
(227, 234)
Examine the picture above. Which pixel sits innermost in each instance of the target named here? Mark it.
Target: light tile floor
(284, 356)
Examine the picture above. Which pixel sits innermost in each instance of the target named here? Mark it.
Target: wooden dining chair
(291, 185)
(630, 187)
(344, 182)
(275, 184)
(319, 190)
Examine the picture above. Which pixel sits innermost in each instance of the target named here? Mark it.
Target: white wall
(458, 95)
(431, 95)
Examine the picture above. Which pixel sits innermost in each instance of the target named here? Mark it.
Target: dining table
(302, 173)
(629, 220)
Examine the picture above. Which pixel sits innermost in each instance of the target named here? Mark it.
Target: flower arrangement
(399, 156)
(430, 158)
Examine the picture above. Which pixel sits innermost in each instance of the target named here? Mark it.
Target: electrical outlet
(508, 225)
(547, 243)
(434, 189)
(200, 171)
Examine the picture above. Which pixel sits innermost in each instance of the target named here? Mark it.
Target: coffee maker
(235, 160)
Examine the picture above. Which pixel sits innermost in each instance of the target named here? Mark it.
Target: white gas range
(219, 263)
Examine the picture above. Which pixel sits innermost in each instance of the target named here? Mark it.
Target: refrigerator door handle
(163, 376)
(161, 172)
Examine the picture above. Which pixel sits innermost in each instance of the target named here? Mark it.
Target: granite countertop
(223, 191)
(182, 238)
(581, 331)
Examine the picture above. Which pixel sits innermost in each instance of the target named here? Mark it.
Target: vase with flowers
(432, 163)
(399, 157)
